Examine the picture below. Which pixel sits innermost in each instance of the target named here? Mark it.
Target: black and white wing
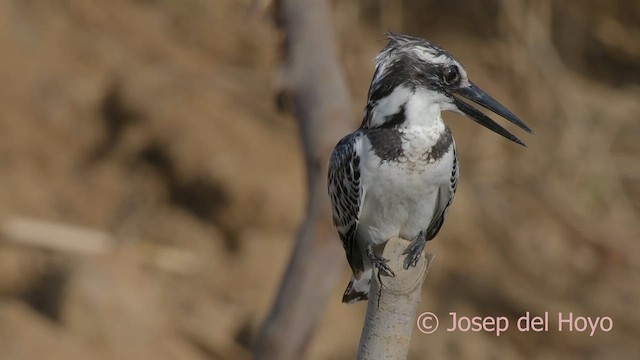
(444, 199)
(346, 194)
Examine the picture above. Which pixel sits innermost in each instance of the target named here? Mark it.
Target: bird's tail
(358, 289)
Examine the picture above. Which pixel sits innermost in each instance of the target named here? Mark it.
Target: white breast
(400, 197)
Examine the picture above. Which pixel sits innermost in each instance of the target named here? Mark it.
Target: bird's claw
(383, 268)
(413, 252)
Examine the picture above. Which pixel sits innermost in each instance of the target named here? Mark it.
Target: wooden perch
(391, 311)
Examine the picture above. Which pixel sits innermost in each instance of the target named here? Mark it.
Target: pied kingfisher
(397, 174)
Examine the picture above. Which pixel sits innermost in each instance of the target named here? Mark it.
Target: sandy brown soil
(153, 122)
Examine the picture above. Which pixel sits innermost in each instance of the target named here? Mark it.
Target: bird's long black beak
(475, 94)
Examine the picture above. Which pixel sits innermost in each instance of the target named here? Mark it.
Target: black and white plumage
(397, 174)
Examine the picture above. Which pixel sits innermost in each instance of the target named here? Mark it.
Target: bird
(397, 174)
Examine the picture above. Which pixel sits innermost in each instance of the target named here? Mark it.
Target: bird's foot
(414, 251)
(380, 263)
(383, 269)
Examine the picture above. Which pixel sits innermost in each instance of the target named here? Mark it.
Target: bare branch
(56, 236)
(391, 311)
(312, 77)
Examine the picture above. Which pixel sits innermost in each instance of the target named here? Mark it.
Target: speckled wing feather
(346, 195)
(445, 198)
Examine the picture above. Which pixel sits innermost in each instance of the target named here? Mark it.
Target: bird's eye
(451, 75)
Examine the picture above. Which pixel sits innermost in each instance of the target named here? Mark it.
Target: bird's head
(414, 72)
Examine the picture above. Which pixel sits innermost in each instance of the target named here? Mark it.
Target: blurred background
(150, 189)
